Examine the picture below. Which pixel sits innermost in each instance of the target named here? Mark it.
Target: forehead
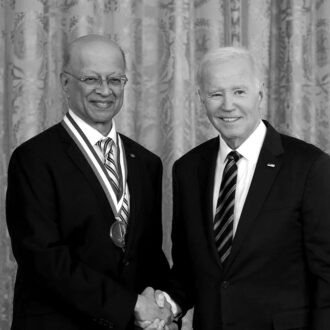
(229, 73)
(98, 56)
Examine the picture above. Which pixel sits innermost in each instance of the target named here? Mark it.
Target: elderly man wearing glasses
(84, 209)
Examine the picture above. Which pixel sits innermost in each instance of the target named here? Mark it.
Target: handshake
(153, 312)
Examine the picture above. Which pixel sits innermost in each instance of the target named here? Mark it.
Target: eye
(90, 80)
(240, 92)
(114, 81)
(215, 95)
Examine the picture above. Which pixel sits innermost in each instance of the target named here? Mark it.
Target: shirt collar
(250, 148)
(91, 133)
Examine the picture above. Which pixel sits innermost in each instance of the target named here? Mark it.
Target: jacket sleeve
(316, 231)
(46, 258)
(154, 267)
(181, 282)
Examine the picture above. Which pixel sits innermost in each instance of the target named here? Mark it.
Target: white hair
(224, 54)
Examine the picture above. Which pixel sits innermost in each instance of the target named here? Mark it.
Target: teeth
(102, 104)
(229, 119)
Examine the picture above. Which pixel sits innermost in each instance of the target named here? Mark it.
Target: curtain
(163, 41)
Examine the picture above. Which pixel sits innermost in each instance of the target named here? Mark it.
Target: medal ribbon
(95, 163)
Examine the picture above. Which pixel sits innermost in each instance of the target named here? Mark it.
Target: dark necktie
(224, 214)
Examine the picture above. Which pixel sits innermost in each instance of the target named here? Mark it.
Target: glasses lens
(92, 81)
(115, 81)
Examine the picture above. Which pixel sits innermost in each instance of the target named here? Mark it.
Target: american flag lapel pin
(270, 165)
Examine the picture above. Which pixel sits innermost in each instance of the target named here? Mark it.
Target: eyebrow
(215, 90)
(99, 75)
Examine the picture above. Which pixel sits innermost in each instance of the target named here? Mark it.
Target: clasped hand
(152, 311)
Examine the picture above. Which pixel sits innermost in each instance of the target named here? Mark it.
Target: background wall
(163, 41)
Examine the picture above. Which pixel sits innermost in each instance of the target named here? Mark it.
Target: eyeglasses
(97, 81)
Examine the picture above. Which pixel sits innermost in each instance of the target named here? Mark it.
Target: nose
(104, 89)
(227, 102)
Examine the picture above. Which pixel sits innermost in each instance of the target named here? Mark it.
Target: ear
(200, 96)
(261, 91)
(64, 81)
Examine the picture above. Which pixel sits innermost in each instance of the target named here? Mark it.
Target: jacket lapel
(82, 164)
(267, 168)
(206, 172)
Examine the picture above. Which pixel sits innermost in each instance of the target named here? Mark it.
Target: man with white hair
(251, 219)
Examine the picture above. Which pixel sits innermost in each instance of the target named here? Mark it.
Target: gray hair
(224, 54)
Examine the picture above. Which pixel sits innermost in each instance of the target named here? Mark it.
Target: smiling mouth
(229, 119)
(102, 104)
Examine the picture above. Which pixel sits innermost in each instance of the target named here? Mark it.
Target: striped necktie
(107, 147)
(110, 153)
(224, 214)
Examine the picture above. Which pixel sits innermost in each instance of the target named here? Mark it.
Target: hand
(171, 326)
(155, 325)
(160, 299)
(162, 302)
(146, 309)
(158, 325)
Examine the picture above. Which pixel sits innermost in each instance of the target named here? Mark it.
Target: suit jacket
(278, 273)
(70, 274)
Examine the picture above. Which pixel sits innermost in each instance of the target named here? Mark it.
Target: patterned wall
(163, 41)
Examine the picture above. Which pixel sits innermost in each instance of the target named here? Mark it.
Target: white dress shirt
(249, 151)
(94, 135)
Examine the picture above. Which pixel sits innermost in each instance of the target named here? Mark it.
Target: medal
(117, 233)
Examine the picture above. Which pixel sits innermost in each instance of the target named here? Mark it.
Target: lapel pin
(132, 155)
(271, 165)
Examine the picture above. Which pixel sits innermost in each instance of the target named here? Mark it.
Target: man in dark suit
(84, 208)
(251, 227)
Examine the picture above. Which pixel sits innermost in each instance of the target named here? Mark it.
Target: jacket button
(126, 263)
(225, 284)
